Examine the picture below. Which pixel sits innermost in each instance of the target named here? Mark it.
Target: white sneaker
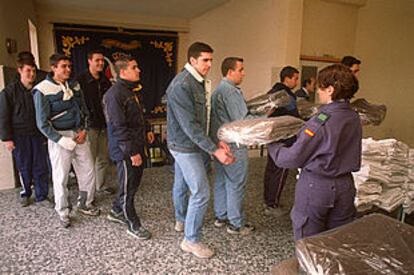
(198, 249)
(179, 226)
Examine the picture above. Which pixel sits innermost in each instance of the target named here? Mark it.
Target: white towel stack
(409, 185)
(383, 174)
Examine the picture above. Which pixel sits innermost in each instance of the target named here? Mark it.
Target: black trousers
(129, 178)
(274, 181)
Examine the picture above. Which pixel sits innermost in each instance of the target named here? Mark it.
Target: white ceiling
(184, 9)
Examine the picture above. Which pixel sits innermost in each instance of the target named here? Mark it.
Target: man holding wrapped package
(275, 177)
(227, 105)
(188, 142)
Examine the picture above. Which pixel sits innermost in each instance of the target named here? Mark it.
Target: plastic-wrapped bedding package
(370, 114)
(259, 130)
(262, 104)
(373, 244)
(307, 109)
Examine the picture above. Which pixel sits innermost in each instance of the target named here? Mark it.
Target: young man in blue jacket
(228, 105)
(188, 141)
(126, 135)
(19, 133)
(61, 117)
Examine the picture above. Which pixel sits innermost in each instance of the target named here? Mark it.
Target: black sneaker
(244, 230)
(141, 233)
(116, 217)
(219, 223)
(89, 211)
(24, 201)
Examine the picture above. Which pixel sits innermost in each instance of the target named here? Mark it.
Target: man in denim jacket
(188, 141)
(227, 105)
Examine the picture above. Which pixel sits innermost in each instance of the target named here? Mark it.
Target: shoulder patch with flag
(309, 132)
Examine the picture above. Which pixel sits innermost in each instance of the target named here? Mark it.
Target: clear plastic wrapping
(261, 105)
(370, 114)
(374, 244)
(307, 109)
(259, 130)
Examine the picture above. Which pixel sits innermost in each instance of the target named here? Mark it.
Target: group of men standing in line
(87, 120)
(68, 124)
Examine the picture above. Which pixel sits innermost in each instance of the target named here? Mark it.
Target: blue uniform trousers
(129, 178)
(322, 203)
(31, 161)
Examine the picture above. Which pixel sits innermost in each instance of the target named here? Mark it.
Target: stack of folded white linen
(409, 185)
(384, 171)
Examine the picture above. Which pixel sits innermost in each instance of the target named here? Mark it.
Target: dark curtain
(155, 52)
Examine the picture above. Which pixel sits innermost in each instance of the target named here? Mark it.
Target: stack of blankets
(259, 131)
(383, 175)
(263, 104)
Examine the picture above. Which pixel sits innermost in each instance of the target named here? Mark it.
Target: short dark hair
(94, 51)
(196, 49)
(350, 60)
(287, 71)
(343, 81)
(56, 57)
(25, 58)
(229, 63)
(122, 63)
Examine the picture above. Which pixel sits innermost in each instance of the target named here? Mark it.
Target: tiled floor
(32, 240)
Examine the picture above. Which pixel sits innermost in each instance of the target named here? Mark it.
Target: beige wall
(329, 28)
(384, 42)
(266, 33)
(13, 24)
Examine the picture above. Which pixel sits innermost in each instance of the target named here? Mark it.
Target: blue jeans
(230, 187)
(190, 192)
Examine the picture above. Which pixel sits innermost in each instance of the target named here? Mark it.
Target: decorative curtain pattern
(156, 54)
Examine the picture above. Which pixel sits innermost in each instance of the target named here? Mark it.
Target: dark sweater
(93, 92)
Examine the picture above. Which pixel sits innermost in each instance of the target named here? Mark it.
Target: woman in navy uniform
(328, 149)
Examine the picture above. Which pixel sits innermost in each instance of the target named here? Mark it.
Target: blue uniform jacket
(187, 115)
(58, 107)
(125, 121)
(328, 145)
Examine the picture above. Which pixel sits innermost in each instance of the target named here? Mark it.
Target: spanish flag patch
(309, 132)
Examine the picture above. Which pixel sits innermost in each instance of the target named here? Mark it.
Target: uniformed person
(328, 149)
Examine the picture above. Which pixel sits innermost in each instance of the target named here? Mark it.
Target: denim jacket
(227, 105)
(187, 114)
